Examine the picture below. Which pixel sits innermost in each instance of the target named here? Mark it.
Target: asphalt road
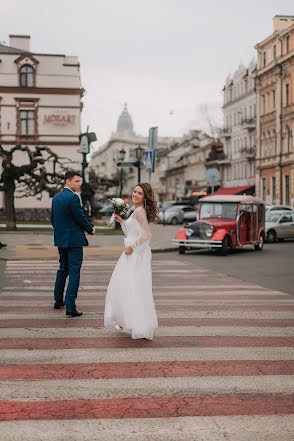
(273, 267)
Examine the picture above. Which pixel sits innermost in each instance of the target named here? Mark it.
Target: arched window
(26, 76)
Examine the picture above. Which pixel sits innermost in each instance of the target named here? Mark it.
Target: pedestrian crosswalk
(220, 367)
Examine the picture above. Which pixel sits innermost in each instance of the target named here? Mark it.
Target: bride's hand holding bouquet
(118, 206)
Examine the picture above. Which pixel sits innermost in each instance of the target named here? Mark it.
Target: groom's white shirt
(68, 188)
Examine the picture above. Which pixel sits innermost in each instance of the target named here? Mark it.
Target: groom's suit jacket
(69, 220)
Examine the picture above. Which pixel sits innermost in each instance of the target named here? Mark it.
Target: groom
(69, 223)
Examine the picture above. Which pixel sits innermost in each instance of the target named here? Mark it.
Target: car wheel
(259, 245)
(174, 221)
(225, 246)
(182, 250)
(271, 236)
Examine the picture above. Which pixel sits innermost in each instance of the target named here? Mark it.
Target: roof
(10, 50)
(233, 190)
(244, 199)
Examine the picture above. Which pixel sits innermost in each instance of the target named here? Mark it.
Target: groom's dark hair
(70, 174)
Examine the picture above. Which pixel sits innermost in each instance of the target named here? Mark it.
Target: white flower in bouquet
(117, 206)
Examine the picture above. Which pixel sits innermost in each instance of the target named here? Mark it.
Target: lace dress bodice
(137, 229)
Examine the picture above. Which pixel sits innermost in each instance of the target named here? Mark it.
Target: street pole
(121, 182)
(139, 173)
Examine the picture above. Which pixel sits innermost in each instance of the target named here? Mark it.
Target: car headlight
(189, 232)
(209, 231)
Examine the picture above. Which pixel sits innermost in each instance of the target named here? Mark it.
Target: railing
(249, 151)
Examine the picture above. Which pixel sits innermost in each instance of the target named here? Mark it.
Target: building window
(273, 189)
(275, 52)
(288, 43)
(288, 139)
(264, 58)
(274, 99)
(26, 76)
(287, 189)
(27, 122)
(263, 104)
(132, 153)
(263, 189)
(287, 95)
(275, 142)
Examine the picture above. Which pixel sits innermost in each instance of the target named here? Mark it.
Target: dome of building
(125, 122)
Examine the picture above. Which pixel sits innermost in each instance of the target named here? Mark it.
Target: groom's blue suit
(69, 222)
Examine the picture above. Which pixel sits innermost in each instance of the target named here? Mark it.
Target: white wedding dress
(129, 300)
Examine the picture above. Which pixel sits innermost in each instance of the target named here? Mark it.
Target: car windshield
(272, 217)
(223, 210)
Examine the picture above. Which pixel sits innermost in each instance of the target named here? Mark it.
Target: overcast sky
(168, 59)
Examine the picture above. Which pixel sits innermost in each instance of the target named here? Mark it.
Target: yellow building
(275, 114)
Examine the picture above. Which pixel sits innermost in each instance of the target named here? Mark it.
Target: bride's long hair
(150, 203)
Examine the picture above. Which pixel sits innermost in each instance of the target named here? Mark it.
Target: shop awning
(247, 189)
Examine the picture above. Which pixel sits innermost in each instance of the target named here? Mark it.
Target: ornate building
(275, 114)
(104, 161)
(238, 135)
(40, 104)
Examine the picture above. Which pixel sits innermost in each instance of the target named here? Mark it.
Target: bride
(129, 302)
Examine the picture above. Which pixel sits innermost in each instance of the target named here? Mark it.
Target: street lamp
(121, 157)
(139, 154)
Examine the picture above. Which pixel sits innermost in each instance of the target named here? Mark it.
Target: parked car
(172, 215)
(278, 207)
(279, 225)
(225, 222)
(190, 214)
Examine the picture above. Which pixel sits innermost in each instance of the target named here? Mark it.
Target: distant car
(173, 215)
(190, 214)
(278, 207)
(279, 225)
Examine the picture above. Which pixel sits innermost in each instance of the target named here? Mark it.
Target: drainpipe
(281, 134)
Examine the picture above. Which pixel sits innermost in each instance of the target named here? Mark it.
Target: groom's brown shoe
(73, 313)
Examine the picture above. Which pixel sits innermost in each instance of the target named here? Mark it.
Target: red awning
(235, 190)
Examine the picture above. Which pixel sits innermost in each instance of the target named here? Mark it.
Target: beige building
(183, 166)
(239, 132)
(275, 114)
(104, 161)
(40, 104)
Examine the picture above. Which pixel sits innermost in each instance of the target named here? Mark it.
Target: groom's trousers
(70, 262)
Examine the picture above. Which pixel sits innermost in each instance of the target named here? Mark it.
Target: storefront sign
(59, 119)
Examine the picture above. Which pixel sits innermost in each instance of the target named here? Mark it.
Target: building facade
(40, 105)
(239, 132)
(275, 114)
(104, 161)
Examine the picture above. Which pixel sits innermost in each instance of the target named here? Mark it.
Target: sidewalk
(35, 245)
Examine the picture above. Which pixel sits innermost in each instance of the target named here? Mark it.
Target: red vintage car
(225, 222)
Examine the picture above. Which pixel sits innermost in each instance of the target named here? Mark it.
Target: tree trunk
(9, 206)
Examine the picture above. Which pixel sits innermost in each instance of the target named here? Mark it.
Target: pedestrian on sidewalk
(129, 304)
(69, 223)
(2, 245)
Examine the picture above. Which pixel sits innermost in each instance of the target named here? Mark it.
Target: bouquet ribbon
(111, 219)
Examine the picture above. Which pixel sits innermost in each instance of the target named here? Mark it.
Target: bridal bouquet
(117, 206)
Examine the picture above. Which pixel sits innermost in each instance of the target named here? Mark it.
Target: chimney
(283, 22)
(20, 42)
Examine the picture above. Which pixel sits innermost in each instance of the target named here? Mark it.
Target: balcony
(249, 123)
(226, 132)
(249, 152)
(219, 159)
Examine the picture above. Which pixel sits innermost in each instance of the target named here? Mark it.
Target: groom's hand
(128, 250)
(93, 232)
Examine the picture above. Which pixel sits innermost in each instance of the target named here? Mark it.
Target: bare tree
(43, 171)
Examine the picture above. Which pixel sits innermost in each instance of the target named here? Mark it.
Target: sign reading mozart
(59, 118)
